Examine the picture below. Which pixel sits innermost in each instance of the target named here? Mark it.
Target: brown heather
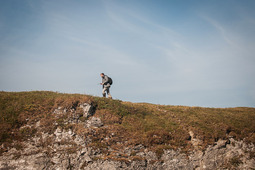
(157, 127)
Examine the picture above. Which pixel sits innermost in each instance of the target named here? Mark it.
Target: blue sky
(190, 52)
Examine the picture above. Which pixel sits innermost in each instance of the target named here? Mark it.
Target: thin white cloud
(223, 31)
(154, 36)
(123, 23)
(137, 23)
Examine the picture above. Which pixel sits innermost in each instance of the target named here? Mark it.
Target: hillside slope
(48, 130)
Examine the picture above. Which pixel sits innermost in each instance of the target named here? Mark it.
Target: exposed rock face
(66, 149)
(59, 156)
(87, 110)
(94, 122)
(219, 156)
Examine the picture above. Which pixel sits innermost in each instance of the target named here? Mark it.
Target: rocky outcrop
(87, 110)
(225, 154)
(94, 122)
(66, 156)
(65, 148)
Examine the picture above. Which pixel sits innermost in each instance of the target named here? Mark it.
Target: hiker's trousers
(106, 89)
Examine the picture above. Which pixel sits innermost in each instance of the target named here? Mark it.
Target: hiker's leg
(103, 92)
(108, 93)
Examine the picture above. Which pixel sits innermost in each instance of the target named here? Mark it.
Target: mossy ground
(126, 124)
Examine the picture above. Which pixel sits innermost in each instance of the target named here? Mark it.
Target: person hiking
(106, 82)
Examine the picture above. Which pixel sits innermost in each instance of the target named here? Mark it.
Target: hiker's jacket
(105, 81)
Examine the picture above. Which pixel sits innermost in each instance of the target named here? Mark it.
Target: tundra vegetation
(126, 124)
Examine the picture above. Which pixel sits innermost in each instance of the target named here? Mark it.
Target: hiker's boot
(104, 95)
(109, 96)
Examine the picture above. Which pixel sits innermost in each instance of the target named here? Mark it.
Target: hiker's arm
(105, 80)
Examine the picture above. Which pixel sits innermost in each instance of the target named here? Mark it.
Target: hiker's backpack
(110, 80)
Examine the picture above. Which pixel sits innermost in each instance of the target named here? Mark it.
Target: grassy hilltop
(157, 127)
